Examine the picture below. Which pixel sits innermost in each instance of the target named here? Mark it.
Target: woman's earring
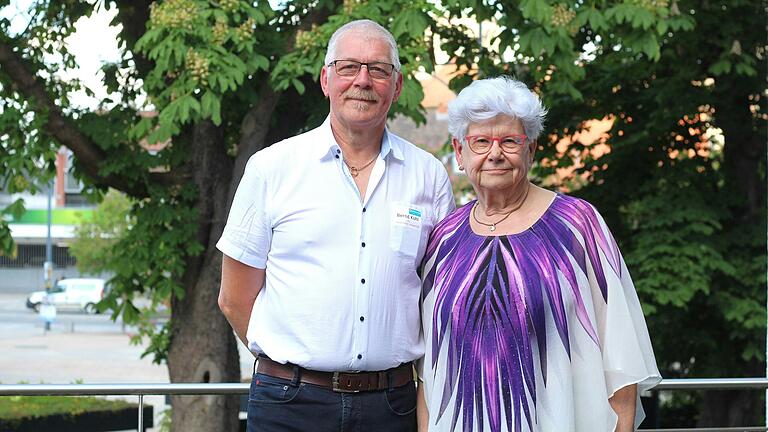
(461, 167)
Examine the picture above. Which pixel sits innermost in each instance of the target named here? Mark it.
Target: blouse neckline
(472, 203)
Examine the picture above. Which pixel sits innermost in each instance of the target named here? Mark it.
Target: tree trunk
(203, 347)
(253, 131)
(745, 145)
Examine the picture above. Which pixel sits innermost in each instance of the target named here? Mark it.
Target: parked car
(80, 294)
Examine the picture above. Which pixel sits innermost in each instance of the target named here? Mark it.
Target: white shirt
(341, 290)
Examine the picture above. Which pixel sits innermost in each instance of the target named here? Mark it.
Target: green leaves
(7, 245)
(596, 19)
(410, 99)
(411, 21)
(674, 257)
(638, 17)
(147, 258)
(736, 63)
(95, 239)
(258, 62)
(539, 42)
(620, 13)
(200, 51)
(16, 209)
(211, 107)
(648, 44)
(536, 10)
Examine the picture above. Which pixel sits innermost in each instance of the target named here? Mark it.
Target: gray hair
(369, 28)
(486, 98)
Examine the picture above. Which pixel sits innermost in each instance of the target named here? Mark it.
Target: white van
(79, 294)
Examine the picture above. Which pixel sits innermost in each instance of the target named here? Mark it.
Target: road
(15, 318)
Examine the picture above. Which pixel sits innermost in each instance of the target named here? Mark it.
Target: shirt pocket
(406, 225)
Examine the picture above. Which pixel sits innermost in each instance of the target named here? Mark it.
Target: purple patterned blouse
(531, 331)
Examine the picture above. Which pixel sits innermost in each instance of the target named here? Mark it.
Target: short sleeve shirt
(341, 289)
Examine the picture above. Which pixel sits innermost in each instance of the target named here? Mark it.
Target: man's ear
(324, 80)
(398, 86)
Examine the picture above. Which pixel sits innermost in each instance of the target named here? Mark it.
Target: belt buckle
(336, 388)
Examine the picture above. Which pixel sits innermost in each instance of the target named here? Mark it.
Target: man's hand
(240, 285)
(624, 403)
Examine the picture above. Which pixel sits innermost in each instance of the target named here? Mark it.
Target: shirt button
(363, 244)
(362, 318)
(338, 151)
(363, 209)
(337, 156)
(359, 356)
(362, 280)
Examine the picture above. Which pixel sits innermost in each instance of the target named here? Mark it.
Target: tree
(227, 78)
(95, 239)
(683, 184)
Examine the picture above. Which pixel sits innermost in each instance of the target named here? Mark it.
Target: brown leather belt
(343, 382)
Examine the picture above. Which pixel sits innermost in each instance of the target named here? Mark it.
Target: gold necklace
(492, 225)
(355, 171)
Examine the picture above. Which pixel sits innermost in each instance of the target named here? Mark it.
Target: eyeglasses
(482, 144)
(350, 68)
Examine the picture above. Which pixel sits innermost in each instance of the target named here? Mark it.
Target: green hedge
(69, 414)
(16, 407)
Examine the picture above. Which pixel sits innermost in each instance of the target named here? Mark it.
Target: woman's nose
(495, 150)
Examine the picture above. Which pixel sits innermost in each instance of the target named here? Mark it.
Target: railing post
(141, 413)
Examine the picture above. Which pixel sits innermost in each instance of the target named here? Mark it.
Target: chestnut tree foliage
(680, 177)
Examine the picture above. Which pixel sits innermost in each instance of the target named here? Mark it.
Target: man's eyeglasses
(350, 68)
(482, 144)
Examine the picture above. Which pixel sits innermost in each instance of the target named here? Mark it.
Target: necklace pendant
(493, 227)
(354, 172)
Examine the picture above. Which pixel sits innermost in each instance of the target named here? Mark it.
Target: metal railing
(142, 390)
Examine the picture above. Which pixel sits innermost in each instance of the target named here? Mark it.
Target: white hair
(487, 98)
(368, 28)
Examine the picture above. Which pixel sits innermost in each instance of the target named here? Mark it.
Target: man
(320, 254)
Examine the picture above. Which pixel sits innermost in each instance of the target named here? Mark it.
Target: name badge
(407, 216)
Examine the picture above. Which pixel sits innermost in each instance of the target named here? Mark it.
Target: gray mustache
(361, 94)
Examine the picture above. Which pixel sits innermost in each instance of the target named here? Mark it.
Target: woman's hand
(422, 413)
(624, 403)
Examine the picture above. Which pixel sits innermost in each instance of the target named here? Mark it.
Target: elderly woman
(530, 317)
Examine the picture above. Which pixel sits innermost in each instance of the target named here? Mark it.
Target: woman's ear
(532, 151)
(457, 147)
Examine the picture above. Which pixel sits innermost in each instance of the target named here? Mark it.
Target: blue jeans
(280, 405)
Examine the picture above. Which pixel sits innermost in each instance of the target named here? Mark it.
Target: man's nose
(363, 79)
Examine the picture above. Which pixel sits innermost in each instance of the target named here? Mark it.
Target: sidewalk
(63, 358)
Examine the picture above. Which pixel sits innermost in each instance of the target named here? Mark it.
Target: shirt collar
(328, 147)
(393, 144)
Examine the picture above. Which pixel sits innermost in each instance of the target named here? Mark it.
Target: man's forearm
(238, 316)
(240, 285)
